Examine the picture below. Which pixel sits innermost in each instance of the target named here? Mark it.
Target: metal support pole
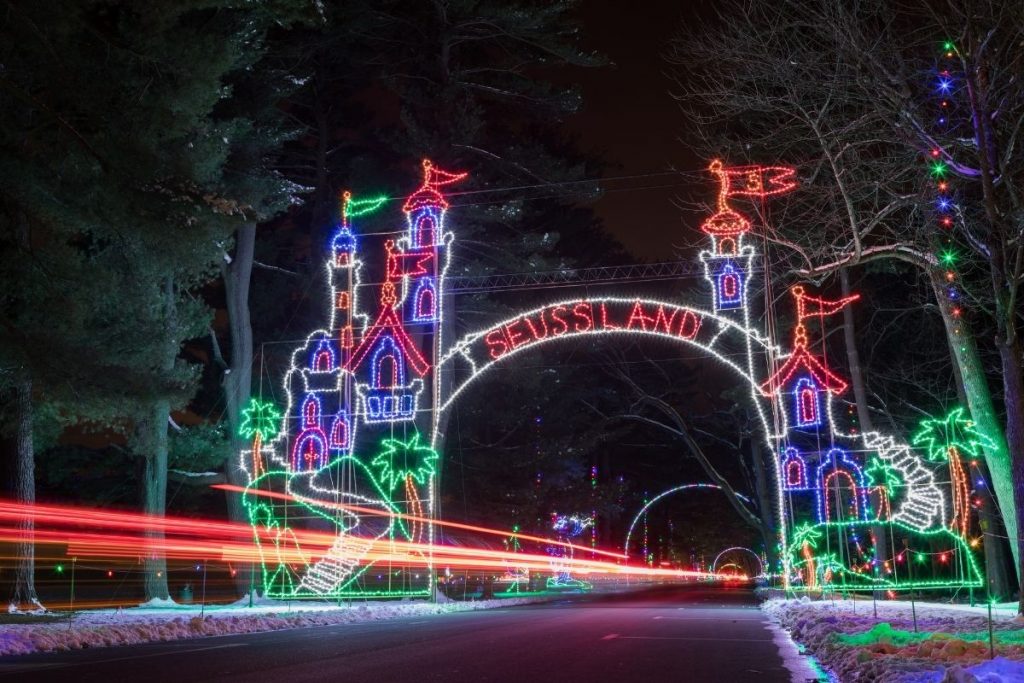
(991, 637)
(202, 608)
(74, 561)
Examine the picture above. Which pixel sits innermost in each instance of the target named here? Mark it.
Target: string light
(813, 563)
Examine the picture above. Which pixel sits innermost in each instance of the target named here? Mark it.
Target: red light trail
(104, 534)
(413, 518)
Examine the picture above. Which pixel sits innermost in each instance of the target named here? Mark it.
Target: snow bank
(166, 620)
(950, 644)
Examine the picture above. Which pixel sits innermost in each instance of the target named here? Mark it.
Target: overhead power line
(642, 272)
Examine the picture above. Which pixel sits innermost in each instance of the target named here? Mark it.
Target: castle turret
(424, 258)
(727, 266)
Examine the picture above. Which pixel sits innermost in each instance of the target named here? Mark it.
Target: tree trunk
(860, 395)
(153, 438)
(765, 492)
(979, 402)
(154, 494)
(994, 544)
(23, 490)
(1004, 278)
(1013, 398)
(237, 382)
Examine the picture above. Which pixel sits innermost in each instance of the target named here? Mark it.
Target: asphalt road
(683, 633)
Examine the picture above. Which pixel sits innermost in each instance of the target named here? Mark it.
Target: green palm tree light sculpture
(947, 439)
(806, 538)
(260, 422)
(409, 463)
(882, 479)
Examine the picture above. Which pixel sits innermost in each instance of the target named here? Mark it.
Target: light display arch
(365, 396)
(664, 494)
(734, 549)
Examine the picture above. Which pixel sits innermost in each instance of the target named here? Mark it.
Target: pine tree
(117, 141)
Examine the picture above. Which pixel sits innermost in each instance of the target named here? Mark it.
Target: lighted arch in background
(652, 501)
(734, 548)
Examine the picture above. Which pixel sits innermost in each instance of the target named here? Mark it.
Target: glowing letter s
(560, 327)
(495, 341)
(582, 310)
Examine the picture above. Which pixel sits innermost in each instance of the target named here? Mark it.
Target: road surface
(681, 633)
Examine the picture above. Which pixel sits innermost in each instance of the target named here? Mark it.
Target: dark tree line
(170, 170)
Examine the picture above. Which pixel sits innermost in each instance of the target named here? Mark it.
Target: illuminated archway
(366, 366)
(663, 494)
(714, 564)
(478, 352)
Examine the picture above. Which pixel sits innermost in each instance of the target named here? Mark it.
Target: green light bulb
(949, 257)
(939, 169)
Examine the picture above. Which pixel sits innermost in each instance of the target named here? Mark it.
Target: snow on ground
(950, 645)
(168, 621)
(801, 667)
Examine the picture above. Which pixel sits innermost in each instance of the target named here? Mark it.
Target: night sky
(630, 119)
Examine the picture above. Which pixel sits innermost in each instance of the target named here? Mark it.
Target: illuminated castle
(368, 370)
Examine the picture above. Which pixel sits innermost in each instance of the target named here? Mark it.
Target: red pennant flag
(754, 181)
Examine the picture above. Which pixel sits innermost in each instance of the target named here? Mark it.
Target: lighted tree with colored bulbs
(946, 439)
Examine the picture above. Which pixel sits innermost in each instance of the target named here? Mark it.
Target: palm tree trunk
(961, 520)
(414, 507)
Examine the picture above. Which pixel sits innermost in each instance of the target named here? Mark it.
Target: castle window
(387, 364)
(425, 228)
(806, 395)
(794, 476)
(424, 301)
(730, 287)
(425, 306)
(323, 357)
(840, 496)
(310, 451)
(794, 470)
(341, 258)
(339, 432)
(838, 488)
(311, 412)
(727, 245)
(343, 301)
